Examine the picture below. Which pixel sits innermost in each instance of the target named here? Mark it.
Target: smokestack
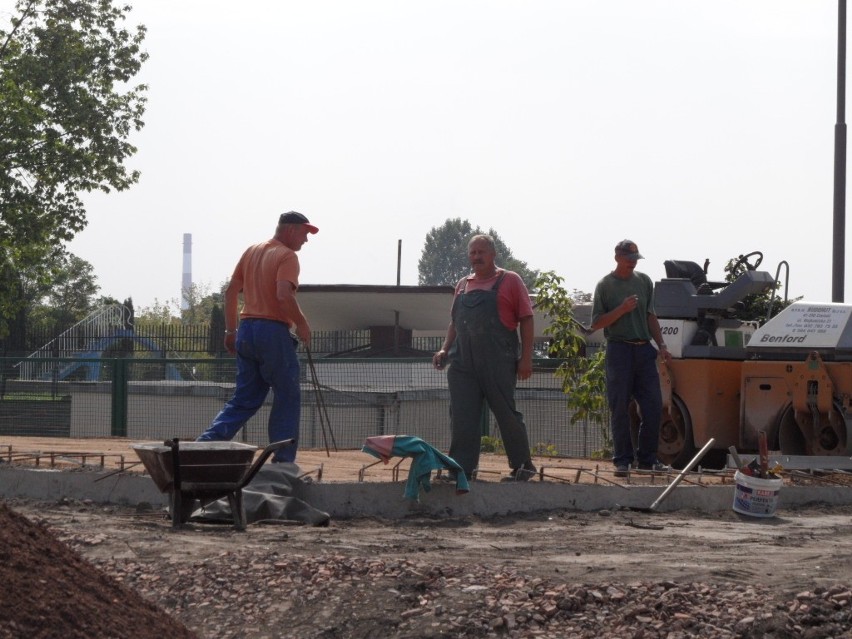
(186, 282)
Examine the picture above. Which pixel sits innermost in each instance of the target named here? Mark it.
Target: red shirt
(513, 298)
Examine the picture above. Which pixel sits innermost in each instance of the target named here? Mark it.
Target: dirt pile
(49, 591)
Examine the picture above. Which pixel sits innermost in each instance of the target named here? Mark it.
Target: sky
(700, 130)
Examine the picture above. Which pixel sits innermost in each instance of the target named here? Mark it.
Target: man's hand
(630, 302)
(525, 368)
(231, 343)
(439, 359)
(303, 332)
(585, 330)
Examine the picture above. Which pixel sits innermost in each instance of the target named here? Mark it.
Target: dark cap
(628, 249)
(293, 217)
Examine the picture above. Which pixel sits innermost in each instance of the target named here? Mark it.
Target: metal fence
(167, 340)
(157, 399)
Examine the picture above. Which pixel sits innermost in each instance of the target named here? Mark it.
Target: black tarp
(270, 496)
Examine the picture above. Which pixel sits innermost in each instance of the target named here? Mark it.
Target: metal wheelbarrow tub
(204, 471)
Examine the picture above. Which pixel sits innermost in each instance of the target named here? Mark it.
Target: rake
(325, 424)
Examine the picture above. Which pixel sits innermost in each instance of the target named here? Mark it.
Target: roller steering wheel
(743, 261)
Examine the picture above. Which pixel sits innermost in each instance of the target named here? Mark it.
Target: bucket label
(757, 492)
(755, 501)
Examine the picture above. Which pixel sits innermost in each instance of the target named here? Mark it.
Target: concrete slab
(385, 500)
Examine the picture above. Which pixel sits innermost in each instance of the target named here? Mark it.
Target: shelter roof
(331, 307)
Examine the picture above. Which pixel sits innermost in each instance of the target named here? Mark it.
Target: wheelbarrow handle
(260, 461)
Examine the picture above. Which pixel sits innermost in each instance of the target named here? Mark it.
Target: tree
(444, 262)
(160, 313)
(583, 379)
(215, 340)
(200, 301)
(760, 307)
(67, 110)
(71, 296)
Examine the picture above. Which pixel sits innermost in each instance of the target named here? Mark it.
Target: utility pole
(839, 232)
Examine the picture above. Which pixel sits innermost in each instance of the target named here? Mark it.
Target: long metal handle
(735, 456)
(682, 473)
(177, 497)
(260, 461)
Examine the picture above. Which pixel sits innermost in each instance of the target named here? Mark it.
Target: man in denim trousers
(624, 308)
(267, 277)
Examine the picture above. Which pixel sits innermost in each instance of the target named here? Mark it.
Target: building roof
(353, 306)
(424, 309)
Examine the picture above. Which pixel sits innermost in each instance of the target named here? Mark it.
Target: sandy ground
(328, 466)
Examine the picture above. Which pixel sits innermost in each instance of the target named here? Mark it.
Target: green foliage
(754, 307)
(66, 112)
(588, 398)
(51, 309)
(444, 261)
(216, 337)
(200, 302)
(583, 379)
(159, 313)
(495, 445)
(604, 453)
(70, 298)
(544, 450)
(34, 397)
(564, 331)
(491, 445)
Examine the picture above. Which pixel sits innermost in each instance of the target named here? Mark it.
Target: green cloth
(424, 459)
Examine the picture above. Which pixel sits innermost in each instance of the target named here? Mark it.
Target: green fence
(157, 399)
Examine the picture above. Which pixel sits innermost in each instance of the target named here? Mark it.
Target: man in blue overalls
(485, 361)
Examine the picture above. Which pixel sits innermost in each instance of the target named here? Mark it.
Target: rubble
(546, 576)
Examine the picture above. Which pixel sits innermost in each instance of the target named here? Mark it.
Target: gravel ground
(559, 574)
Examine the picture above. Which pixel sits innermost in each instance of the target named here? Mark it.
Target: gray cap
(628, 249)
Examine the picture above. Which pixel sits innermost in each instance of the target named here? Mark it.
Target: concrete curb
(385, 500)
(486, 499)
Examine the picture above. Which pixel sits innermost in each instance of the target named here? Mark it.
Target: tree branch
(11, 35)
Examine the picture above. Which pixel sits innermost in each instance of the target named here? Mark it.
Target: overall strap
(499, 280)
(493, 288)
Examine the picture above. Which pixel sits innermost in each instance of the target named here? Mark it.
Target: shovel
(682, 473)
(763, 449)
(677, 479)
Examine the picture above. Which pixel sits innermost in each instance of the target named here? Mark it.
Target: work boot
(657, 466)
(526, 472)
(622, 470)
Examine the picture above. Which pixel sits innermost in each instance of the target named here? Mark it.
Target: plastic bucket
(755, 496)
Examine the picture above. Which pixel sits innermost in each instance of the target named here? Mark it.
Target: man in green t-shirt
(624, 308)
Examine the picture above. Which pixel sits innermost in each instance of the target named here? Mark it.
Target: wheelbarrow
(203, 471)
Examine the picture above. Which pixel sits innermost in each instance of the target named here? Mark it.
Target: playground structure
(86, 343)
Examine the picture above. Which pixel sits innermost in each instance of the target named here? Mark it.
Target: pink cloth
(383, 445)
